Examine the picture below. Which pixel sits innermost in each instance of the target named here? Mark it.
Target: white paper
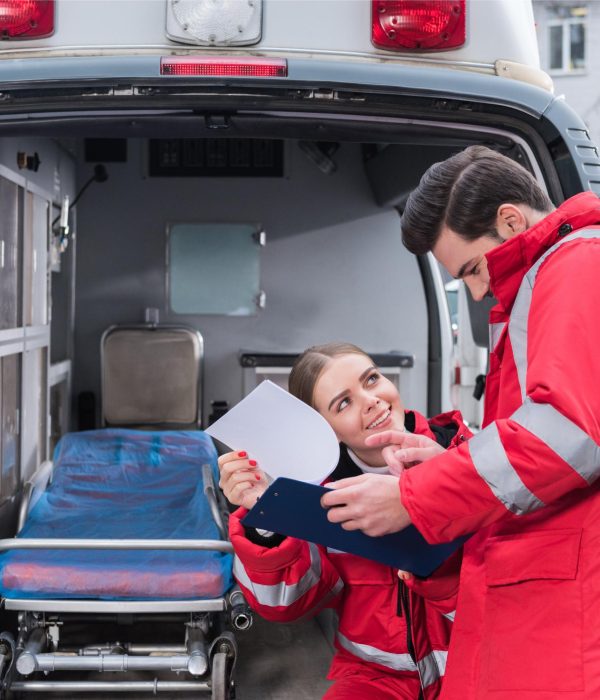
(283, 434)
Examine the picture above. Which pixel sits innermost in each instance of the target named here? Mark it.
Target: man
(527, 623)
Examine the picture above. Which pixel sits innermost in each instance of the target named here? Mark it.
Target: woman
(391, 640)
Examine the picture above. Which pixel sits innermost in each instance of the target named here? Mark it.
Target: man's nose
(478, 288)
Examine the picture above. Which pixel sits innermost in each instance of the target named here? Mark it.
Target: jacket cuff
(262, 558)
(442, 584)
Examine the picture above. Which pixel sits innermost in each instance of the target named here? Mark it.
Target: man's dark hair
(464, 193)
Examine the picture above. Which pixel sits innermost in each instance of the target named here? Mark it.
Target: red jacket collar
(508, 263)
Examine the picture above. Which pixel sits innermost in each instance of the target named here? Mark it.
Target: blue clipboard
(293, 508)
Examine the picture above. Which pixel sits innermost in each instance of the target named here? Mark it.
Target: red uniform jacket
(527, 624)
(296, 579)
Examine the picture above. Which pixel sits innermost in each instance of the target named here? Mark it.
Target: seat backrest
(152, 376)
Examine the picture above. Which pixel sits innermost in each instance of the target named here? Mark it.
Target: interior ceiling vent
(215, 158)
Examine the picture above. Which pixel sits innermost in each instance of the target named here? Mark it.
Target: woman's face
(357, 401)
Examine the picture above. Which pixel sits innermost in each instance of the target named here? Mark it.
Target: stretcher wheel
(220, 677)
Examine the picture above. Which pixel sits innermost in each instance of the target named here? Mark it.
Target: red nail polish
(257, 477)
(252, 462)
(242, 454)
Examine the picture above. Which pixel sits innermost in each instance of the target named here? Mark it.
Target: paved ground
(282, 662)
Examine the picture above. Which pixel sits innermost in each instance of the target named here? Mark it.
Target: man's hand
(404, 450)
(370, 502)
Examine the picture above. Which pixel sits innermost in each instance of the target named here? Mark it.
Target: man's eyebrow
(362, 377)
(463, 269)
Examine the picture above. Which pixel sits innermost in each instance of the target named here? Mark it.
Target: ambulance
(191, 193)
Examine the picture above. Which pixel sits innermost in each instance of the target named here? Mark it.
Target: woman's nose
(370, 402)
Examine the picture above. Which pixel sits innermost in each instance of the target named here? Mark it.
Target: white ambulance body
(238, 168)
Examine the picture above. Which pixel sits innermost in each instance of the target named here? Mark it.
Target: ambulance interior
(257, 235)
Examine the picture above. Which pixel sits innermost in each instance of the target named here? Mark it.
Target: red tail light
(418, 25)
(26, 19)
(457, 374)
(224, 66)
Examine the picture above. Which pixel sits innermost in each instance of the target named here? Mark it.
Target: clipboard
(293, 508)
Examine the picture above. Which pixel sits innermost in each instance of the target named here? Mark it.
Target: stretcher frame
(207, 655)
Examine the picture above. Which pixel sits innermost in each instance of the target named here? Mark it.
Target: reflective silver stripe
(397, 662)
(432, 667)
(281, 594)
(517, 330)
(495, 333)
(490, 460)
(562, 436)
(450, 615)
(517, 327)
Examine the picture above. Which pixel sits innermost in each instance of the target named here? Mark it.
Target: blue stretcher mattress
(122, 484)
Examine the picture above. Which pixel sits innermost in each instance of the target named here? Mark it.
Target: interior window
(215, 269)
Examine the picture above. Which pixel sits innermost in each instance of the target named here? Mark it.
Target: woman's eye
(342, 404)
(372, 378)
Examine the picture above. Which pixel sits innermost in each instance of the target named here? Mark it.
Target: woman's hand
(241, 479)
(404, 450)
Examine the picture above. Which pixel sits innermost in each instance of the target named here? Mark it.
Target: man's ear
(510, 220)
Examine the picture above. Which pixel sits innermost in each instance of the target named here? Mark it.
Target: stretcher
(123, 534)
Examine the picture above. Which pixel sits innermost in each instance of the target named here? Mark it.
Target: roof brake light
(418, 25)
(224, 66)
(26, 19)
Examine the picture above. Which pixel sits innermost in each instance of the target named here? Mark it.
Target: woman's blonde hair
(310, 364)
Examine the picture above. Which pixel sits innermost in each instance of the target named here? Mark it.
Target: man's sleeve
(285, 582)
(549, 446)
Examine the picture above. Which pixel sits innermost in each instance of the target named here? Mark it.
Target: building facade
(570, 53)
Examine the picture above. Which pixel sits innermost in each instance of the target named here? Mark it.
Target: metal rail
(154, 686)
(31, 661)
(59, 543)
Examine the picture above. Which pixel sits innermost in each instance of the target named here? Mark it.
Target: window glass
(577, 36)
(35, 260)
(567, 37)
(10, 403)
(9, 258)
(556, 34)
(214, 269)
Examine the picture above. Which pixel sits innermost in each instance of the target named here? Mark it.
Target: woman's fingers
(241, 479)
(231, 457)
(246, 494)
(244, 488)
(230, 479)
(235, 461)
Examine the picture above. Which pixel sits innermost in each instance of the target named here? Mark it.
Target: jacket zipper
(403, 610)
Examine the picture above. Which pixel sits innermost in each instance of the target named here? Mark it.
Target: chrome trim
(115, 606)
(59, 543)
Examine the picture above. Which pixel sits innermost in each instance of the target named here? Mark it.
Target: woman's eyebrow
(337, 397)
(362, 377)
(366, 373)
